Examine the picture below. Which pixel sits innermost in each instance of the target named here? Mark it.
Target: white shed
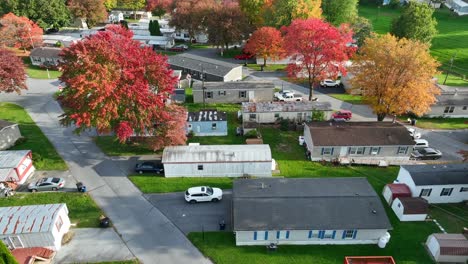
(446, 183)
(34, 225)
(410, 208)
(448, 248)
(217, 161)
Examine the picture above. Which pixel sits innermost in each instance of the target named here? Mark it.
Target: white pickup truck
(287, 96)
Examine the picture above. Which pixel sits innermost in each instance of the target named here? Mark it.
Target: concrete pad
(90, 245)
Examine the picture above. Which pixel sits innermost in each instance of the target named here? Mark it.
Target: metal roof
(438, 174)
(11, 158)
(414, 205)
(5, 124)
(206, 116)
(307, 204)
(5, 174)
(197, 63)
(216, 154)
(241, 85)
(452, 98)
(29, 218)
(46, 52)
(268, 107)
(399, 188)
(452, 244)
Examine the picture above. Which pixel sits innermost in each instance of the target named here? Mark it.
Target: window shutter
(332, 151)
(334, 233)
(429, 194)
(287, 234)
(322, 151)
(344, 234)
(321, 234)
(277, 234)
(450, 192)
(354, 235)
(266, 235)
(310, 234)
(255, 235)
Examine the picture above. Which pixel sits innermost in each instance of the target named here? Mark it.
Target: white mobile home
(446, 183)
(448, 248)
(34, 225)
(16, 165)
(314, 211)
(410, 208)
(217, 161)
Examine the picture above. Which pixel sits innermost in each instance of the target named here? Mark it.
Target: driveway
(447, 142)
(194, 217)
(70, 181)
(127, 163)
(90, 245)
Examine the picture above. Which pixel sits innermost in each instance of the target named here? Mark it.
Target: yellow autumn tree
(278, 13)
(395, 75)
(307, 9)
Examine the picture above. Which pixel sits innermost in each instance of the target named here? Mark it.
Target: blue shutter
(321, 234)
(332, 151)
(277, 234)
(266, 235)
(354, 235)
(310, 234)
(322, 151)
(287, 234)
(334, 233)
(255, 235)
(344, 234)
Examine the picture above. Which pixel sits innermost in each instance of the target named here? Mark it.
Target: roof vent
(374, 211)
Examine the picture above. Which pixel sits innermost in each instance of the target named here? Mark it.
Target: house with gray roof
(450, 103)
(9, 134)
(217, 161)
(442, 183)
(211, 70)
(207, 123)
(233, 92)
(358, 142)
(45, 56)
(16, 165)
(307, 211)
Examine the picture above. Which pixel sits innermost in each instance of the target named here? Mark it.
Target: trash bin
(222, 225)
(413, 122)
(104, 222)
(80, 186)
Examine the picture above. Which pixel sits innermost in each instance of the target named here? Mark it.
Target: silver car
(47, 184)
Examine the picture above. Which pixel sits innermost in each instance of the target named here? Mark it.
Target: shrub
(284, 124)
(251, 134)
(318, 115)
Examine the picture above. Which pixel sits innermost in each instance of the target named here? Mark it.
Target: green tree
(8, 6)
(46, 13)
(254, 10)
(134, 5)
(156, 28)
(415, 22)
(110, 4)
(282, 12)
(362, 29)
(338, 12)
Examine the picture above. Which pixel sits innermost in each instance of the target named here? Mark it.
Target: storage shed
(9, 133)
(410, 208)
(34, 225)
(16, 165)
(395, 190)
(448, 248)
(217, 161)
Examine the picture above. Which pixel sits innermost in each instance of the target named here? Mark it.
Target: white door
(198, 129)
(251, 96)
(343, 152)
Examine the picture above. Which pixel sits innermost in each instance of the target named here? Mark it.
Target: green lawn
(44, 155)
(167, 52)
(452, 217)
(82, 209)
(158, 184)
(37, 72)
(230, 53)
(439, 123)
(450, 40)
(111, 146)
(352, 99)
(272, 67)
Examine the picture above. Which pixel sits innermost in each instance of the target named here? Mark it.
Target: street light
(202, 77)
(451, 64)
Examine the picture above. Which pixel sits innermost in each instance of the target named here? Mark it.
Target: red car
(243, 56)
(343, 114)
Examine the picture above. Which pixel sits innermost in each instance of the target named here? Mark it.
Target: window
(464, 189)
(449, 109)
(465, 107)
(329, 234)
(374, 150)
(399, 205)
(446, 192)
(277, 115)
(208, 94)
(252, 117)
(59, 223)
(327, 151)
(242, 94)
(200, 167)
(313, 234)
(221, 92)
(190, 126)
(402, 150)
(213, 126)
(425, 192)
(357, 150)
(349, 234)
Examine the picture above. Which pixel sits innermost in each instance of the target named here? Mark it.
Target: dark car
(151, 167)
(426, 154)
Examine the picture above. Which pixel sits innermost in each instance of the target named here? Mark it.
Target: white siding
(308, 139)
(387, 194)
(228, 169)
(301, 237)
(433, 246)
(405, 177)
(234, 75)
(398, 208)
(435, 197)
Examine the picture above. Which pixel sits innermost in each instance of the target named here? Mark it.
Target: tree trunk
(381, 116)
(264, 61)
(311, 88)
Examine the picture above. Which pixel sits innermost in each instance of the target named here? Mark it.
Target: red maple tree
(266, 42)
(12, 73)
(19, 32)
(159, 4)
(114, 84)
(317, 50)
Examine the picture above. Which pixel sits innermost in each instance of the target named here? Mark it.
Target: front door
(251, 96)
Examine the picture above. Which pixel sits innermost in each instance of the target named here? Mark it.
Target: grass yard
(167, 52)
(439, 123)
(452, 217)
(37, 72)
(349, 98)
(158, 184)
(111, 146)
(450, 40)
(230, 53)
(82, 209)
(272, 67)
(44, 155)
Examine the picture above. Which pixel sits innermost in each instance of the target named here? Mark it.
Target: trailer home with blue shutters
(310, 211)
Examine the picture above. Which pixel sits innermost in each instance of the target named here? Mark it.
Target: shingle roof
(269, 107)
(438, 174)
(29, 218)
(452, 98)
(359, 134)
(194, 62)
(452, 244)
(241, 85)
(206, 115)
(216, 153)
(46, 52)
(399, 188)
(414, 205)
(307, 204)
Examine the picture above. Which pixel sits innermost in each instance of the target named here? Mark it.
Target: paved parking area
(127, 164)
(193, 217)
(70, 182)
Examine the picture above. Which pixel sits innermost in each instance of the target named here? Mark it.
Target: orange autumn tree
(266, 42)
(19, 32)
(395, 75)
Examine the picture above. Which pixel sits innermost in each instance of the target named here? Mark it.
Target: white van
(421, 143)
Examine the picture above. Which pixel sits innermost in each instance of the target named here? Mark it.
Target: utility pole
(203, 84)
(451, 64)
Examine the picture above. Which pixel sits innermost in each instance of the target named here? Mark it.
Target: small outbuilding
(217, 161)
(410, 208)
(233, 92)
(458, 6)
(45, 56)
(451, 103)
(16, 165)
(9, 134)
(395, 190)
(448, 248)
(34, 225)
(207, 123)
(369, 260)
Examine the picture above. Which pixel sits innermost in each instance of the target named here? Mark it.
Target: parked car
(343, 114)
(151, 167)
(47, 184)
(413, 133)
(421, 143)
(426, 154)
(288, 96)
(203, 194)
(183, 46)
(329, 83)
(177, 48)
(243, 56)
